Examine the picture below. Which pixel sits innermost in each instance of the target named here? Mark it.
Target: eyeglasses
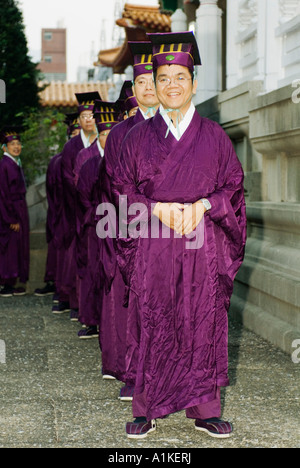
(179, 80)
(143, 83)
(87, 117)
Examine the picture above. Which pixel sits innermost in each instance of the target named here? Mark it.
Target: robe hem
(170, 409)
(223, 382)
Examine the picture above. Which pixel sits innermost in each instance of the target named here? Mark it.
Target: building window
(48, 59)
(48, 36)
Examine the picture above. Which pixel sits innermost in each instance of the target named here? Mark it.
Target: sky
(83, 21)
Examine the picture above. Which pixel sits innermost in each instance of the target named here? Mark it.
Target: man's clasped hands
(182, 218)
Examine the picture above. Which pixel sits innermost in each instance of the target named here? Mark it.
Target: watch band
(206, 204)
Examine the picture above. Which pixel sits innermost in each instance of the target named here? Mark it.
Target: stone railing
(37, 203)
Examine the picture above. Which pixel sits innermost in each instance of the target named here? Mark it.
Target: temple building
(137, 21)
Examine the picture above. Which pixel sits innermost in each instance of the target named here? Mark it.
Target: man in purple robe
(143, 95)
(87, 170)
(52, 225)
(179, 173)
(88, 134)
(14, 220)
(51, 262)
(61, 300)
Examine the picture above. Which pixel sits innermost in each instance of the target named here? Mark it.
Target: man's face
(144, 90)
(87, 121)
(103, 137)
(14, 148)
(75, 132)
(174, 87)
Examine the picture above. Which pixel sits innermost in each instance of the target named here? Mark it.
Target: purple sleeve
(127, 197)
(8, 213)
(228, 210)
(69, 153)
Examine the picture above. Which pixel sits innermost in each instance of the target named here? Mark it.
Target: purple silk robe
(82, 157)
(58, 228)
(68, 159)
(113, 316)
(51, 264)
(14, 246)
(87, 241)
(179, 296)
(115, 140)
(113, 324)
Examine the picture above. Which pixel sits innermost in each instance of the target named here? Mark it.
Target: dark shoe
(126, 393)
(19, 292)
(87, 333)
(55, 298)
(214, 427)
(7, 291)
(140, 430)
(61, 308)
(48, 290)
(74, 314)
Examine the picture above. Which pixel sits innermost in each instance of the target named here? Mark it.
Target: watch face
(206, 204)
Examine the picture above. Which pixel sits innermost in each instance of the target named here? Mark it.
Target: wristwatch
(206, 204)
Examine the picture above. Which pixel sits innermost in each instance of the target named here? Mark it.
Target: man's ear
(195, 86)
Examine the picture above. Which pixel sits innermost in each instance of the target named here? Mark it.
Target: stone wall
(265, 130)
(37, 207)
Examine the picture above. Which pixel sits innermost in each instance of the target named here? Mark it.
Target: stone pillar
(179, 21)
(233, 51)
(209, 38)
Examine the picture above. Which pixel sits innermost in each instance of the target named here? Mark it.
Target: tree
(17, 70)
(45, 134)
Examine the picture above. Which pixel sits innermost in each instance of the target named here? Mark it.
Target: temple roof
(137, 21)
(148, 18)
(62, 94)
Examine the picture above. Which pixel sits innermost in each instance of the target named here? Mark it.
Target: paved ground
(52, 394)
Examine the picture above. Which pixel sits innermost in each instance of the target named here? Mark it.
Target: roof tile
(62, 94)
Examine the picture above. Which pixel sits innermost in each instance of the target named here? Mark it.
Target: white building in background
(262, 43)
(250, 84)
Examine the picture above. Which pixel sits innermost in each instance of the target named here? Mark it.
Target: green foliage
(16, 69)
(44, 136)
(169, 5)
